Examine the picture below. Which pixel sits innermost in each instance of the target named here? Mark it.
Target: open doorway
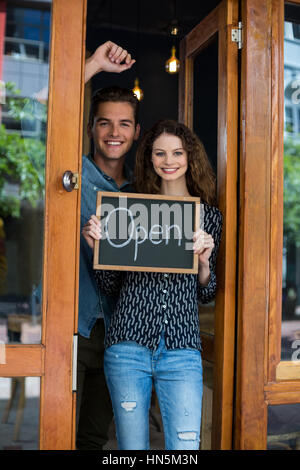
(145, 31)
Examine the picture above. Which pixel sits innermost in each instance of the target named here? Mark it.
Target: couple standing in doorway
(118, 365)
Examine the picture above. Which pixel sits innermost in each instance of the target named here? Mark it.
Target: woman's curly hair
(200, 177)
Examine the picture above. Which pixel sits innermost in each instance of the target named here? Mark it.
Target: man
(113, 128)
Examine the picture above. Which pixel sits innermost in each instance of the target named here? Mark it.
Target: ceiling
(152, 16)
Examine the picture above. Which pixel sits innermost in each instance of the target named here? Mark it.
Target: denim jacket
(92, 302)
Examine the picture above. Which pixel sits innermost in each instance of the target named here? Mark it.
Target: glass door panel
(205, 112)
(23, 115)
(290, 327)
(205, 125)
(19, 413)
(284, 427)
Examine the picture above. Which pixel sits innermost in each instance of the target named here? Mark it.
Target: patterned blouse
(151, 303)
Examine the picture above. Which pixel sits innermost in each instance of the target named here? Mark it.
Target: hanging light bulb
(137, 90)
(172, 64)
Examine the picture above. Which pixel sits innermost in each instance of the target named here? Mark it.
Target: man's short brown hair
(113, 94)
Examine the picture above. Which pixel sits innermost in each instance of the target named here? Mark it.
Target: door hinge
(74, 363)
(237, 35)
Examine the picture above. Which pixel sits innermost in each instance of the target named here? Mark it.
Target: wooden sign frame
(195, 200)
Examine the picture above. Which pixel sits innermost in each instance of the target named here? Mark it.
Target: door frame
(220, 349)
(52, 359)
(262, 379)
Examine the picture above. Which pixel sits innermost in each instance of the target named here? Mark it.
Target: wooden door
(51, 358)
(208, 103)
(268, 368)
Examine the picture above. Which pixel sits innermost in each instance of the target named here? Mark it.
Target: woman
(153, 337)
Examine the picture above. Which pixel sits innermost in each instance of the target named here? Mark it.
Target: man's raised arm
(109, 57)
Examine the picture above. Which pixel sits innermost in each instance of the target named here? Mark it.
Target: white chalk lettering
(109, 236)
(155, 234)
(168, 232)
(137, 242)
(140, 214)
(137, 232)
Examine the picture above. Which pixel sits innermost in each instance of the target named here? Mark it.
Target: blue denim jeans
(130, 371)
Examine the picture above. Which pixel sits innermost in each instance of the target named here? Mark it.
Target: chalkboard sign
(146, 232)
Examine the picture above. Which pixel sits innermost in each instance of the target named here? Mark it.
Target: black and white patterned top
(150, 303)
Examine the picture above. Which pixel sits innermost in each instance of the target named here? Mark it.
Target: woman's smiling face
(169, 158)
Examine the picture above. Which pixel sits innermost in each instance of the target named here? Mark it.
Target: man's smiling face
(113, 130)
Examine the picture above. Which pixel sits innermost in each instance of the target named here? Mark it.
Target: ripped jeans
(130, 371)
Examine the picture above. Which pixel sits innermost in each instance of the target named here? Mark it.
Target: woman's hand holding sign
(203, 246)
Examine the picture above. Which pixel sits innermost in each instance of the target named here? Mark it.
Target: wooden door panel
(52, 358)
(23, 360)
(62, 209)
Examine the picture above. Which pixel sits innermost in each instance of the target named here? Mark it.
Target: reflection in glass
(284, 427)
(23, 114)
(290, 344)
(19, 413)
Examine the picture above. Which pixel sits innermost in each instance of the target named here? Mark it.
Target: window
(27, 33)
(291, 202)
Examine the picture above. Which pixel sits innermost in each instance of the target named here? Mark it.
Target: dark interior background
(144, 29)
